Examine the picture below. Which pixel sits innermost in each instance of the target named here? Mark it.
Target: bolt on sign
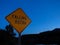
(18, 19)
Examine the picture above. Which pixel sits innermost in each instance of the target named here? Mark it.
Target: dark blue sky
(45, 14)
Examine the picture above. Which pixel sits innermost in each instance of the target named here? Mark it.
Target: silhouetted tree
(7, 36)
(10, 29)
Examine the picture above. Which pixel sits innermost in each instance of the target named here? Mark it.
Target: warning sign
(18, 19)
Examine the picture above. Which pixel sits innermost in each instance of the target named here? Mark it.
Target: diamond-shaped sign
(18, 19)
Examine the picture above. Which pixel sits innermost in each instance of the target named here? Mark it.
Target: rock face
(48, 37)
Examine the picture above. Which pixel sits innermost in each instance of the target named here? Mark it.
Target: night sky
(45, 14)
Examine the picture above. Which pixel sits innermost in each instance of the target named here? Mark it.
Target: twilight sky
(45, 14)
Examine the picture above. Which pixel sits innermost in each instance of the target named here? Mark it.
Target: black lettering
(23, 18)
(20, 21)
(14, 16)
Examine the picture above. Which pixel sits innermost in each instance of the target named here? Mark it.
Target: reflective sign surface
(18, 19)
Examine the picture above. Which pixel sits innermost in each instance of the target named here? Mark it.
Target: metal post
(19, 39)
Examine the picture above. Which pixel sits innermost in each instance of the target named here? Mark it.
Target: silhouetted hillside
(7, 36)
(48, 37)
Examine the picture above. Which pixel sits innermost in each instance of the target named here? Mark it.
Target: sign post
(19, 20)
(19, 39)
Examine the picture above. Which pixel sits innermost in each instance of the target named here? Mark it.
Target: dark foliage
(7, 36)
(48, 37)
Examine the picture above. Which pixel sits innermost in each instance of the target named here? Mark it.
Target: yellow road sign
(18, 19)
